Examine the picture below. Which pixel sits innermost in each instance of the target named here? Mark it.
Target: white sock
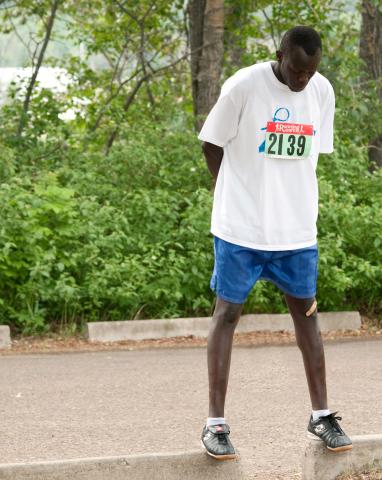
(316, 414)
(215, 421)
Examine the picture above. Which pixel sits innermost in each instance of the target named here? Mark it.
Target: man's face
(297, 67)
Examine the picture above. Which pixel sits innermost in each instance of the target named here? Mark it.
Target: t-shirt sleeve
(222, 123)
(327, 123)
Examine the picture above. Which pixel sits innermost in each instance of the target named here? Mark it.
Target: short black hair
(301, 36)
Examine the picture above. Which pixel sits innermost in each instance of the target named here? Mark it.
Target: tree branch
(36, 70)
(138, 85)
(271, 28)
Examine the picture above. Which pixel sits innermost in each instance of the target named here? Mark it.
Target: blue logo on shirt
(282, 114)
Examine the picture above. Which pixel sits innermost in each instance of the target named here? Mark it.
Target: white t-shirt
(266, 194)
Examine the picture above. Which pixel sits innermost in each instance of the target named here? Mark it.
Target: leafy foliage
(88, 236)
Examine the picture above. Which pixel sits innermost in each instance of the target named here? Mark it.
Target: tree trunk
(371, 53)
(207, 48)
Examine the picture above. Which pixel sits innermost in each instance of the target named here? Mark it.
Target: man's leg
(308, 336)
(309, 341)
(225, 318)
(223, 324)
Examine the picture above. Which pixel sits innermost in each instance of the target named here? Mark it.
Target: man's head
(299, 56)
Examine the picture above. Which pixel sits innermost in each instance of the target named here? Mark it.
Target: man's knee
(227, 313)
(304, 306)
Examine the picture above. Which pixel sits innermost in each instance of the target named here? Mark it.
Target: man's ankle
(215, 421)
(316, 414)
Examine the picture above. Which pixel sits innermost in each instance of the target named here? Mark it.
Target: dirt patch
(371, 475)
(55, 343)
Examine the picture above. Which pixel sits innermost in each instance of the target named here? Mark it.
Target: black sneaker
(215, 440)
(328, 430)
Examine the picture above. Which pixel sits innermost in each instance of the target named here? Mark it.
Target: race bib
(288, 140)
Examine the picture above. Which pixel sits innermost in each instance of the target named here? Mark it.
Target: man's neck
(277, 72)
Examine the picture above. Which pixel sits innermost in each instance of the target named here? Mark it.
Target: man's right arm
(214, 156)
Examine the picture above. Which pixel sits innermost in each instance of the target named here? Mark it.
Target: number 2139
(276, 143)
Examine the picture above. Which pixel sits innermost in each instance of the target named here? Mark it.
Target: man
(261, 142)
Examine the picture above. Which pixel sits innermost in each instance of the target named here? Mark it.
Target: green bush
(86, 237)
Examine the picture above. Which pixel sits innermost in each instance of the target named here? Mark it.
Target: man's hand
(214, 156)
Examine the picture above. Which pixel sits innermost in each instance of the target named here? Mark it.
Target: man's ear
(279, 55)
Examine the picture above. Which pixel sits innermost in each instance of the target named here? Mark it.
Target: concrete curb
(165, 328)
(321, 464)
(5, 336)
(194, 465)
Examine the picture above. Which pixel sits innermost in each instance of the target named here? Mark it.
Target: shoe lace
(222, 438)
(333, 420)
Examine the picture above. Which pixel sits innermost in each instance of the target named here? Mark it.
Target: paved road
(61, 406)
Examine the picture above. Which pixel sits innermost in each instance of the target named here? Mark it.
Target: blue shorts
(237, 269)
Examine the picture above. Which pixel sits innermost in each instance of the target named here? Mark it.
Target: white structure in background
(53, 78)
